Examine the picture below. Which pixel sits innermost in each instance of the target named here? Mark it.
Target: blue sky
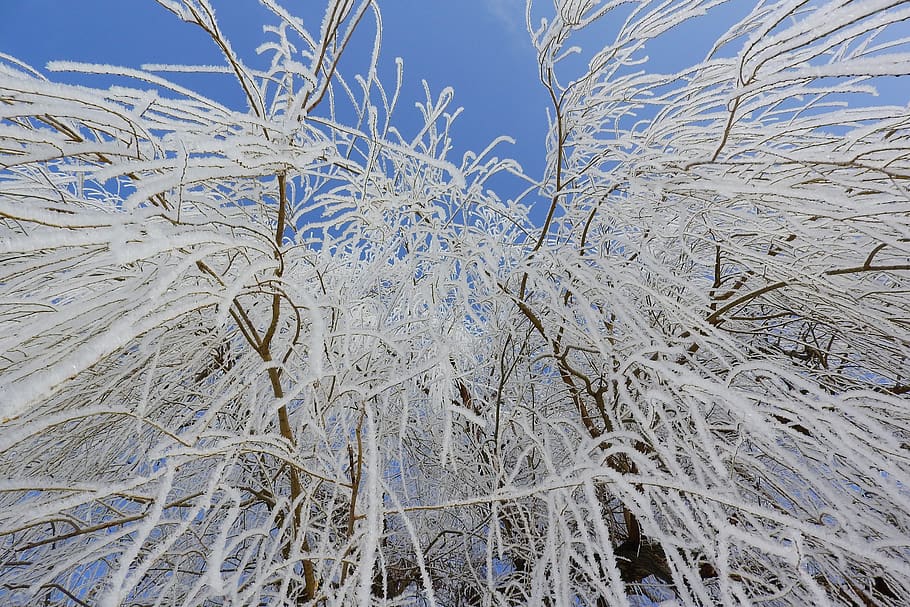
(479, 47)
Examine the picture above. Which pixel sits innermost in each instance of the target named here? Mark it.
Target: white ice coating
(297, 355)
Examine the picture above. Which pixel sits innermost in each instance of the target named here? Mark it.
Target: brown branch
(356, 476)
(51, 586)
(337, 58)
(715, 317)
(101, 526)
(155, 199)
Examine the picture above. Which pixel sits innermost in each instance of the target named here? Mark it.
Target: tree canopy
(295, 355)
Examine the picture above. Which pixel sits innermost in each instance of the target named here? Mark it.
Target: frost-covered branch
(295, 355)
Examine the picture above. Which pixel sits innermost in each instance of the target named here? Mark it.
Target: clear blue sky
(479, 47)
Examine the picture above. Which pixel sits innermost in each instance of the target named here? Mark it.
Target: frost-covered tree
(297, 356)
